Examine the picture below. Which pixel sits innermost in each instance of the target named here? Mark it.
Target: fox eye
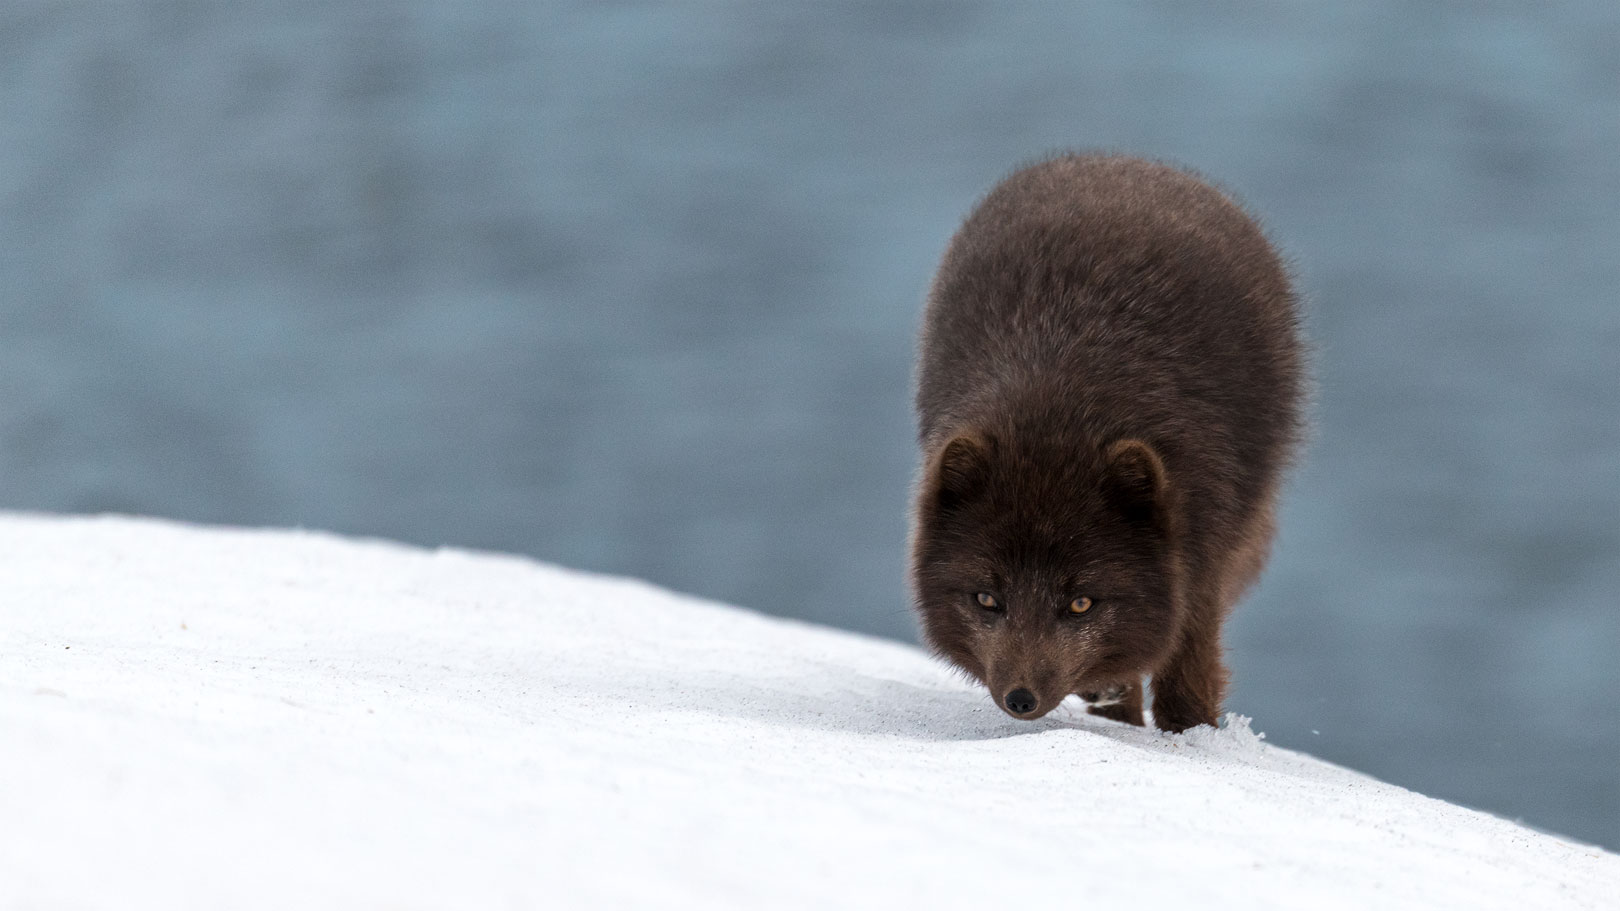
(1080, 605)
(987, 601)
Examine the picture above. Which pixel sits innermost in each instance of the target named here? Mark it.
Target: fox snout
(1026, 704)
(1020, 703)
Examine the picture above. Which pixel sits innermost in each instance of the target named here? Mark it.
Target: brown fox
(1110, 390)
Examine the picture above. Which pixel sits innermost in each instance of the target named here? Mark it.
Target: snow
(202, 718)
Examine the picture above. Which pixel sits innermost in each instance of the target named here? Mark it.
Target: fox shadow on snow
(835, 699)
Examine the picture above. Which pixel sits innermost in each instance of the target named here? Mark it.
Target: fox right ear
(1137, 483)
(960, 471)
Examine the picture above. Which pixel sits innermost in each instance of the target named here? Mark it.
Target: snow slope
(204, 718)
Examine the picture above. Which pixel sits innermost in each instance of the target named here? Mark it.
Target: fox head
(1042, 571)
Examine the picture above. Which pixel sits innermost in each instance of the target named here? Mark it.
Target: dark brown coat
(1110, 389)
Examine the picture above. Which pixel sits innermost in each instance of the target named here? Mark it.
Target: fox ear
(960, 471)
(1136, 482)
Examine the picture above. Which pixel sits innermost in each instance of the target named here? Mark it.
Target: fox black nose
(1020, 701)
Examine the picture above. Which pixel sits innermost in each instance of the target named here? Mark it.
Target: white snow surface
(218, 718)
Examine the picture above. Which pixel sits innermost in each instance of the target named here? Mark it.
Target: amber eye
(1079, 605)
(987, 601)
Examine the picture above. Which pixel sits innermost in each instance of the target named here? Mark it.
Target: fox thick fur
(1109, 393)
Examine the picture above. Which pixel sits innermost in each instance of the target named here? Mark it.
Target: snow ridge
(196, 717)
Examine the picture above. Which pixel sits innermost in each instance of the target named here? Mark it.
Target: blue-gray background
(634, 288)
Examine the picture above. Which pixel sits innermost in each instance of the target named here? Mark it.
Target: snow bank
(214, 718)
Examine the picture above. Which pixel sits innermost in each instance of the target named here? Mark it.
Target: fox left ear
(1137, 482)
(961, 470)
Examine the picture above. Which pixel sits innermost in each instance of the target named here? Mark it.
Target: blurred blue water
(634, 288)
